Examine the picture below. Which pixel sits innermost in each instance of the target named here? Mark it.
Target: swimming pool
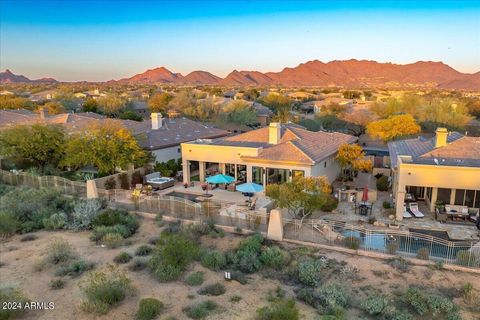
(189, 196)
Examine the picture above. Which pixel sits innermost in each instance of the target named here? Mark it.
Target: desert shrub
(123, 257)
(279, 309)
(31, 206)
(8, 224)
(386, 205)
(352, 243)
(399, 263)
(309, 271)
(330, 204)
(104, 289)
(11, 295)
(392, 247)
(332, 295)
(194, 279)
(113, 218)
(84, 213)
(215, 289)
(248, 262)
(137, 265)
(60, 251)
(75, 268)
(99, 233)
(467, 258)
(57, 284)
(382, 183)
(110, 183)
(239, 277)
(274, 257)
(124, 183)
(214, 260)
(424, 303)
(423, 253)
(174, 252)
(235, 298)
(200, 310)
(55, 222)
(252, 244)
(153, 241)
(112, 240)
(29, 237)
(374, 304)
(143, 250)
(149, 308)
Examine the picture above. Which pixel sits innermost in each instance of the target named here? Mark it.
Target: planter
(394, 226)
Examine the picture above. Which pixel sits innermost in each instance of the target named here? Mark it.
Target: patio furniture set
(457, 213)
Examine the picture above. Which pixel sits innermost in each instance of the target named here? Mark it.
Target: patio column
(249, 173)
(235, 168)
(186, 171)
(400, 199)
(452, 196)
(201, 168)
(92, 192)
(434, 199)
(221, 167)
(264, 176)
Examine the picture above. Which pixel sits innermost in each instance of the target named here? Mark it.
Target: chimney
(441, 137)
(157, 120)
(274, 133)
(43, 113)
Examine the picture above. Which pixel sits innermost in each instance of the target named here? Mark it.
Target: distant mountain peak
(9, 77)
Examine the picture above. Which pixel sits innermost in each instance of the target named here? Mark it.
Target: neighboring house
(264, 114)
(444, 168)
(6, 93)
(160, 136)
(319, 104)
(140, 107)
(267, 155)
(44, 95)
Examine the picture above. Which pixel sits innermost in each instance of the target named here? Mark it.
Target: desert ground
(22, 260)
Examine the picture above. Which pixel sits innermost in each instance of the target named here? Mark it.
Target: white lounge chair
(413, 206)
(406, 214)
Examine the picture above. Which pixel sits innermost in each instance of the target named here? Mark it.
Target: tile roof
(296, 144)
(173, 132)
(459, 151)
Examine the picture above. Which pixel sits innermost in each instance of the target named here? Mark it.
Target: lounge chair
(413, 206)
(441, 216)
(406, 214)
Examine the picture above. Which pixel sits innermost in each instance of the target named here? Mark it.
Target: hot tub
(161, 183)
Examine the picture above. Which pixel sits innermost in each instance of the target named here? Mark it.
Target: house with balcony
(272, 154)
(443, 169)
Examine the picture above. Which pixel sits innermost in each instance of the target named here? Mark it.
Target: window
(429, 194)
(179, 150)
(477, 199)
(241, 172)
(325, 164)
(444, 195)
(257, 175)
(277, 175)
(469, 195)
(459, 197)
(298, 173)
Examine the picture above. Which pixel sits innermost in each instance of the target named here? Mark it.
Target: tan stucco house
(445, 167)
(272, 154)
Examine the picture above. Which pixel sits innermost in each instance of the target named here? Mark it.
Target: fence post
(275, 226)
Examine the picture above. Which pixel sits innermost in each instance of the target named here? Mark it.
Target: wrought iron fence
(222, 213)
(58, 183)
(395, 242)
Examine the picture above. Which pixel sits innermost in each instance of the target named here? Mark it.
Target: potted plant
(204, 186)
(185, 185)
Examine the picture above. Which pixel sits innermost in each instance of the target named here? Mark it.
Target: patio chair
(406, 214)
(252, 205)
(413, 206)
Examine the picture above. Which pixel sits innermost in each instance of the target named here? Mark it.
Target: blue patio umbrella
(249, 187)
(220, 179)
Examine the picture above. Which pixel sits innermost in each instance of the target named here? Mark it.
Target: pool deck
(346, 212)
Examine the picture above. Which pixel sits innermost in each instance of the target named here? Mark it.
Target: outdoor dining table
(456, 215)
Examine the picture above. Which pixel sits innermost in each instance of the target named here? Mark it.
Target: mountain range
(347, 73)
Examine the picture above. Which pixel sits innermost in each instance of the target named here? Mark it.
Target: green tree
(90, 105)
(107, 146)
(38, 143)
(159, 102)
(301, 196)
(239, 112)
(111, 104)
(14, 102)
(182, 101)
(54, 107)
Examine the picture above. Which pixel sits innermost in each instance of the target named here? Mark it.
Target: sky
(103, 40)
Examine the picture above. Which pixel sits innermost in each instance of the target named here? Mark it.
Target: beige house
(272, 154)
(445, 168)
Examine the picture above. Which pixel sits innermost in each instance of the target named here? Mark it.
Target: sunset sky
(103, 40)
